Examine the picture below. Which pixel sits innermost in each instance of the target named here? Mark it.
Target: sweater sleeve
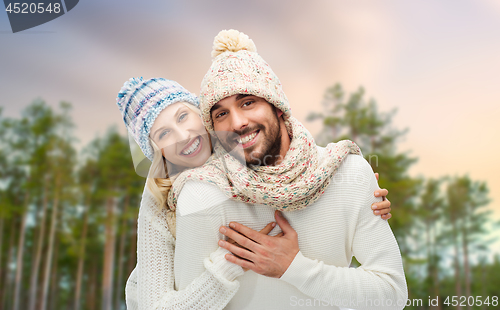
(151, 284)
(379, 283)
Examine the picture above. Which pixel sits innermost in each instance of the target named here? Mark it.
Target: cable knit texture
(330, 231)
(301, 178)
(297, 182)
(141, 101)
(238, 69)
(152, 286)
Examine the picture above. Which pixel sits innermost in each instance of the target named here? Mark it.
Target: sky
(437, 62)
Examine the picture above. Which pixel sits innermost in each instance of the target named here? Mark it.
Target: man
(324, 193)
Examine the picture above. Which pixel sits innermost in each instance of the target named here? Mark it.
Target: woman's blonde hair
(159, 179)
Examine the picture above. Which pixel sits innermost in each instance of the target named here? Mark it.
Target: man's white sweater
(337, 226)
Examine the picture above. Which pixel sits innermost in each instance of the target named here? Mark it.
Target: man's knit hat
(140, 103)
(238, 69)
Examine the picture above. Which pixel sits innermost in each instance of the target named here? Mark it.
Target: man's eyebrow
(215, 107)
(241, 96)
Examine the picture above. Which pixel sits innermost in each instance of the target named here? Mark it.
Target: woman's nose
(182, 135)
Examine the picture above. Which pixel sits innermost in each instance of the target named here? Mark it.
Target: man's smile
(249, 139)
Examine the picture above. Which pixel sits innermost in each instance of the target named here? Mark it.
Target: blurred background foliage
(68, 218)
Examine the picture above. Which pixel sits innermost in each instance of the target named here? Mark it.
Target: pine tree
(359, 120)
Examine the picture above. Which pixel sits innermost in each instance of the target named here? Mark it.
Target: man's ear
(279, 112)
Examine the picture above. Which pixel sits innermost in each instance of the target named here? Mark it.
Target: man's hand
(382, 208)
(266, 230)
(263, 254)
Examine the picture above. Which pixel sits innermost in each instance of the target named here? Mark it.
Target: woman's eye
(182, 116)
(163, 133)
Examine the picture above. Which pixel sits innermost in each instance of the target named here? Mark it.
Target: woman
(164, 119)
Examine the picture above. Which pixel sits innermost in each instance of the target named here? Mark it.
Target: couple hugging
(242, 210)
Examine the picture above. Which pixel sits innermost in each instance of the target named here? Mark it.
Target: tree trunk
(121, 250)
(20, 251)
(109, 253)
(435, 270)
(431, 267)
(372, 143)
(38, 255)
(132, 259)
(428, 247)
(92, 291)
(466, 264)
(7, 280)
(458, 287)
(52, 233)
(54, 288)
(81, 257)
(484, 285)
(1, 249)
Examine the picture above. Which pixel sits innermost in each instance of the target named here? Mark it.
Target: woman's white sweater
(151, 283)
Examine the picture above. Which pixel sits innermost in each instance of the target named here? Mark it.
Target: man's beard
(271, 145)
(271, 148)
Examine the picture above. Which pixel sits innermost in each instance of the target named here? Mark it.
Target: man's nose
(238, 120)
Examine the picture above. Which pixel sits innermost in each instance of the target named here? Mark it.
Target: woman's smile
(180, 134)
(193, 147)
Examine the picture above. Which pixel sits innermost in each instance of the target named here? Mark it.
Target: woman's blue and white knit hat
(141, 101)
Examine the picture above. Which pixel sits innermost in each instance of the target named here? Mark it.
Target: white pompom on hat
(232, 41)
(238, 69)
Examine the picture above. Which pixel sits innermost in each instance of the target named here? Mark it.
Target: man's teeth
(192, 148)
(247, 138)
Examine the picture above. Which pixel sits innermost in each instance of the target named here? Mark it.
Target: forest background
(414, 84)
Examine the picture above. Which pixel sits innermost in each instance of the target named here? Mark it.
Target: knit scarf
(297, 182)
